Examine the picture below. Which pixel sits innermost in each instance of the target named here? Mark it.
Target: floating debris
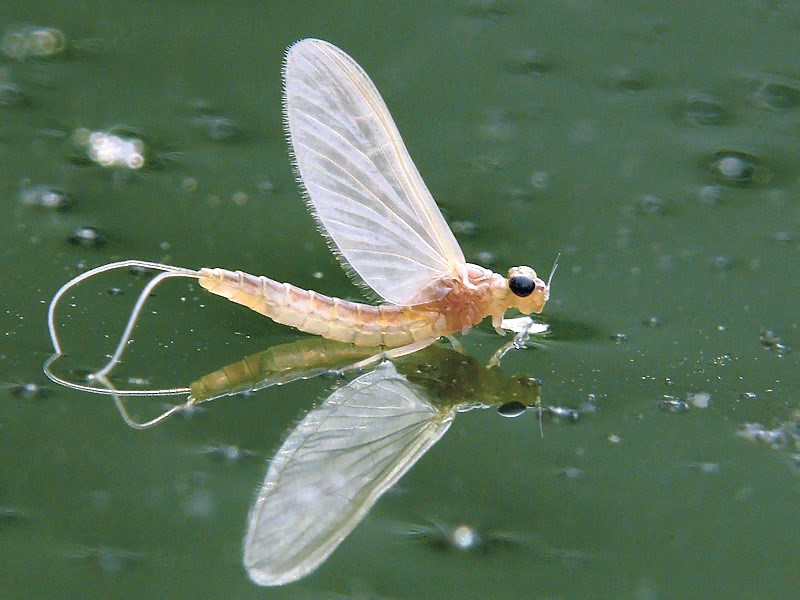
(619, 338)
(772, 341)
(673, 405)
(777, 438)
(698, 399)
(561, 413)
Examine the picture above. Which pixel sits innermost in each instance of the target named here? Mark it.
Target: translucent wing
(362, 186)
(333, 468)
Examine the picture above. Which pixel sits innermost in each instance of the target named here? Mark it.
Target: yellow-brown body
(387, 325)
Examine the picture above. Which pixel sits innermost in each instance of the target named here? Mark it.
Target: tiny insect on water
(370, 201)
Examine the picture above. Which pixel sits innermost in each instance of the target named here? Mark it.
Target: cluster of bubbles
(785, 437)
(32, 41)
(108, 149)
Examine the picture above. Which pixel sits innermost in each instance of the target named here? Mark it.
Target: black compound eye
(521, 285)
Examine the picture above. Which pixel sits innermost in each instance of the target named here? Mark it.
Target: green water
(550, 126)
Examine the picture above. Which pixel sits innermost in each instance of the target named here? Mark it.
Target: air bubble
(44, 196)
(652, 322)
(88, 237)
(461, 537)
(30, 391)
(512, 409)
(737, 168)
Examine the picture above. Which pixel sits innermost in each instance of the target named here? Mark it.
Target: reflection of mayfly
(340, 459)
(372, 204)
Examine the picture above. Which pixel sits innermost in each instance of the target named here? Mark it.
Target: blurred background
(653, 144)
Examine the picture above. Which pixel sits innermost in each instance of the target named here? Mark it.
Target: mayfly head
(529, 293)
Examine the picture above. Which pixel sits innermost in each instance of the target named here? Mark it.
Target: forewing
(333, 468)
(362, 186)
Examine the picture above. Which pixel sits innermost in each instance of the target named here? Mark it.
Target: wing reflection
(332, 469)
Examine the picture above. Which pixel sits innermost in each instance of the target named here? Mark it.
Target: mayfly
(382, 222)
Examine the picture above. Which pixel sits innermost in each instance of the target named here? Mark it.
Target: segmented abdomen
(388, 326)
